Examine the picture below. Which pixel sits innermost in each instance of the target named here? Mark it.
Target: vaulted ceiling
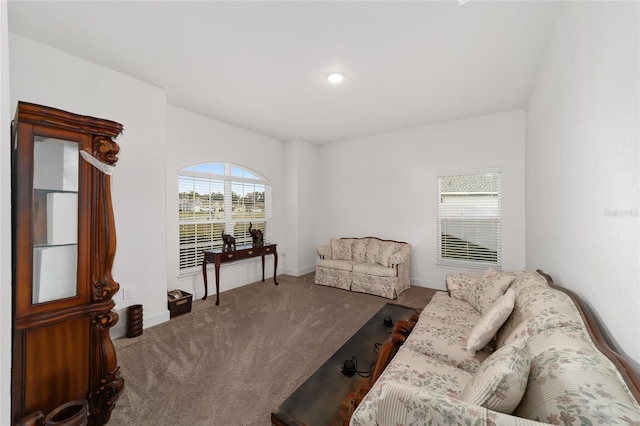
(262, 65)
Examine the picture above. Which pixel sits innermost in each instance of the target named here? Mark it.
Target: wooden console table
(219, 257)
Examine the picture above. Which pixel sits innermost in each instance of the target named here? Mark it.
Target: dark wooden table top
(324, 399)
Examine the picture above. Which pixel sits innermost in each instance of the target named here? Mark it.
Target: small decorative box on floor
(179, 302)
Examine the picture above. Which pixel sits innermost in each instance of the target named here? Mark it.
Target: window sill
(467, 265)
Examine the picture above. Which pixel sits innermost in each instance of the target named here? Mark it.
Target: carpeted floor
(233, 364)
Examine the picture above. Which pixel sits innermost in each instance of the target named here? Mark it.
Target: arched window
(217, 197)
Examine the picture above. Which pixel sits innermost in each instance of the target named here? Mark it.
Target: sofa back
(365, 250)
(571, 381)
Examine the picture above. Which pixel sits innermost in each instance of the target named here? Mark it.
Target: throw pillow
(501, 380)
(491, 321)
(491, 285)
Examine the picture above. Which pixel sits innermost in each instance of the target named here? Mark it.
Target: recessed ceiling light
(335, 78)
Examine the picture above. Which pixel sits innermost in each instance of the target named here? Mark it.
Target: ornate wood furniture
(329, 397)
(403, 329)
(64, 243)
(570, 360)
(219, 257)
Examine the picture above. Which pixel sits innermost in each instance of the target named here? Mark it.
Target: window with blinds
(216, 198)
(469, 219)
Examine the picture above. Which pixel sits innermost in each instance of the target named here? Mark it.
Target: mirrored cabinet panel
(55, 219)
(64, 243)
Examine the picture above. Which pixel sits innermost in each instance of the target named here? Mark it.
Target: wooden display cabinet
(64, 243)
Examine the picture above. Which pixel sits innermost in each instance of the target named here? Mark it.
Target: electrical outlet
(126, 293)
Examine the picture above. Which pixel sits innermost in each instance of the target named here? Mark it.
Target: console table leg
(263, 268)
(275, 266)
(204, 274)
(217, 282)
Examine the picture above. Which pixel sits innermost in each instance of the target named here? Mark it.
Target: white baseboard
(429, 284)
(299, 272)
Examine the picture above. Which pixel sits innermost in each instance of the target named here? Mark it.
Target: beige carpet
(233, 364)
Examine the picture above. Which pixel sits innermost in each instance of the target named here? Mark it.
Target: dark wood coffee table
(326, 397)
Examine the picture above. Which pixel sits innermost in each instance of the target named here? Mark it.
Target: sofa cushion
(442, 332)
(528, 279)
(489, 324)
(373, 269)
(489, 287)
(450, 311)
(545, 323)
(447, 343)
(576, 385)
(409, 373)
(532, 301)
(501, 380)
(359, 250)
(343, 265)
(409, 367)
(341, 249)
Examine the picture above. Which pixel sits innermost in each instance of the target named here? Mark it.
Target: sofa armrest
(324, 251)
(401, 256)
(404, 404)
(459, 285)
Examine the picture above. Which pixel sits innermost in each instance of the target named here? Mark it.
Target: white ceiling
(262, 65)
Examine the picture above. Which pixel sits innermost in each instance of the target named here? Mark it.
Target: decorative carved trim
(374, 238)
(102, 399)
(105, 150)
(52, 317)
(104, 286)
(105, 321)
(387, 351)
(53, 117)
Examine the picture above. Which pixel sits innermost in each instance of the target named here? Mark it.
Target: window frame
(228, 213)
(487, 211)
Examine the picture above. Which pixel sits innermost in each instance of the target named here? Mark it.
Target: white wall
(301, 200)
(192, 139)
(582, 163)
(386, 185)
(5, 223)
(47, 76)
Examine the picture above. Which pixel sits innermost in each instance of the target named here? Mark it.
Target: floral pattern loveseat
(502, 349)
(367, 265)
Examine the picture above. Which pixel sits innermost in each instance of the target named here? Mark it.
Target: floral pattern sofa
(367, 265)
(502, 349)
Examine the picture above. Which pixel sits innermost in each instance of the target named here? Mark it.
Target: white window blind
(217, 197)
(469, 219)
